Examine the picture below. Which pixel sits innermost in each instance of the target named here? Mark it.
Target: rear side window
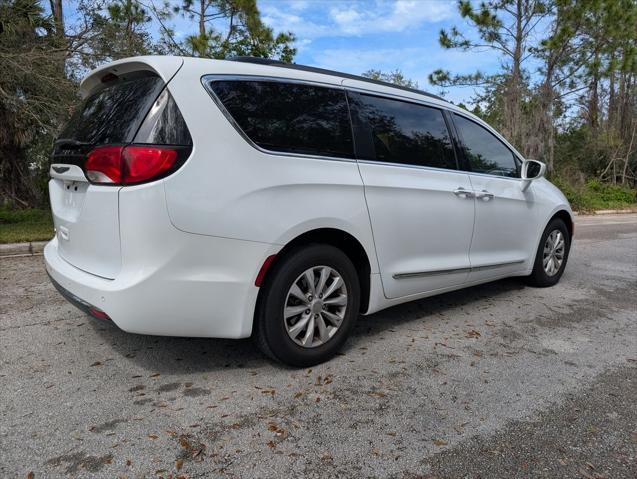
(289, 117)
(406, 133)
(113, 114)
(484, 152)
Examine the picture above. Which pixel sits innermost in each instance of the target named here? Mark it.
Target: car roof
(324, 71)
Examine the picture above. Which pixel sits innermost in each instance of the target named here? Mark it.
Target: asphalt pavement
(500, 380)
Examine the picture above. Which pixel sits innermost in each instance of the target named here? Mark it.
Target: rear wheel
(308, 306)
(552, 254)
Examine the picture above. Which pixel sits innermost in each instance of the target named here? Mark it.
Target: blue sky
(354, 36)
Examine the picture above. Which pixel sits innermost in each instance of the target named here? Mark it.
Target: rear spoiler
(164, 66)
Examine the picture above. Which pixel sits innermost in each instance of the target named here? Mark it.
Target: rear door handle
(462, 193)
(484, 195)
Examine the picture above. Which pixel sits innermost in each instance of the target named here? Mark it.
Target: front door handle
(462, 193)
(484, 195)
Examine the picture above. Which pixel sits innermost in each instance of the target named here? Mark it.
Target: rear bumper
(79, 303)
(199, 286)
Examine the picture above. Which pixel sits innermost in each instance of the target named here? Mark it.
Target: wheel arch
(338, 238)
(565, 216)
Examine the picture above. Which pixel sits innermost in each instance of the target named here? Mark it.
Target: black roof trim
(306, 68)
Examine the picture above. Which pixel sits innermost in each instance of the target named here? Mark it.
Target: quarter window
(289, 117)
(484, 152)
(406, 133)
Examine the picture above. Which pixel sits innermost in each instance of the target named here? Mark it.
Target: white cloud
(337, 18)
(288, 21)
(359, 18)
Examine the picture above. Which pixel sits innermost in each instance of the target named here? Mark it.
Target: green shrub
(595, 195)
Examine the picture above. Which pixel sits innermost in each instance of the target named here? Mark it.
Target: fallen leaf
(96, 363)
(440, 442)
(153, 437)
(179, 463)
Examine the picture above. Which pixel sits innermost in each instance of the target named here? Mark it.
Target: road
(500, 380)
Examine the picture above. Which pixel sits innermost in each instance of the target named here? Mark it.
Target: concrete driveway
(500, 380)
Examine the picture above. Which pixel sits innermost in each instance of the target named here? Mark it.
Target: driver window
(485, 153)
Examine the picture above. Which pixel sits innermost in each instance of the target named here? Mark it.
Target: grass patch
(19, 226)
(594, 195)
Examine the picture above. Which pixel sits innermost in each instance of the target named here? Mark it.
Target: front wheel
(308, 306)
(552, 254)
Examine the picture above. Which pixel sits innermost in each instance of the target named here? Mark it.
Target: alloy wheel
(554, 249)
(315, 306)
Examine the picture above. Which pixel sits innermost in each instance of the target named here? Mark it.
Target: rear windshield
(113, 114)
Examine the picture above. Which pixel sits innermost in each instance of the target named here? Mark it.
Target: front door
(505, 220)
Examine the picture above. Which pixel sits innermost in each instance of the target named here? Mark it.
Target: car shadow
(173, 355)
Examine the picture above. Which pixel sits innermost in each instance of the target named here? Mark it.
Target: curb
(606, 212)
(22, 249)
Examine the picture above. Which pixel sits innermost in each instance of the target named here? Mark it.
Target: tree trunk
(513, 93)
(58, 17)
(202, 18)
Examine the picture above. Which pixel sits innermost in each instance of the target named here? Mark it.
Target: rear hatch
(85, 203)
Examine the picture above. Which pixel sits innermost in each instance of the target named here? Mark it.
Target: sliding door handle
(484, 195)
(464, 194)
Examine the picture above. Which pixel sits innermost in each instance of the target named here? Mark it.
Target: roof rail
(306, 68)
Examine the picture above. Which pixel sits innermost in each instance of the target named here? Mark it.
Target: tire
(539, 276)
(271, 328)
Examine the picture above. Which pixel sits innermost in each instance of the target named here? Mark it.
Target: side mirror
(531, 170)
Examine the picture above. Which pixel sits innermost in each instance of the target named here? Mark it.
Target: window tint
(164, 124)
(485, 153)
(113, 114)
(405, 132)
(289, 117)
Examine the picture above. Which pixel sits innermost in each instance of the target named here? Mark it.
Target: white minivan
(230, 199)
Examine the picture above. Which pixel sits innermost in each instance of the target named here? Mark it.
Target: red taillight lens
(119, 165)
(98, 313)
(104, 165)
(142, 163)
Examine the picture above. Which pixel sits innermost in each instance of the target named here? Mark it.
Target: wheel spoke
(337, 283)
(298, 294)
(309, 334)
(322, 329)
(325, 274)
(298, 327)
(336, 301)
(294, 310)
(309, 278)
(332, 318)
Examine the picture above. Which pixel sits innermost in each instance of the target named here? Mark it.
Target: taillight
(128, 165)
(104, 165)
(142, 163)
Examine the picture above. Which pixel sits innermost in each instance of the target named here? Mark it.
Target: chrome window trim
(471, 269)
(207, 79)
(417, 167)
